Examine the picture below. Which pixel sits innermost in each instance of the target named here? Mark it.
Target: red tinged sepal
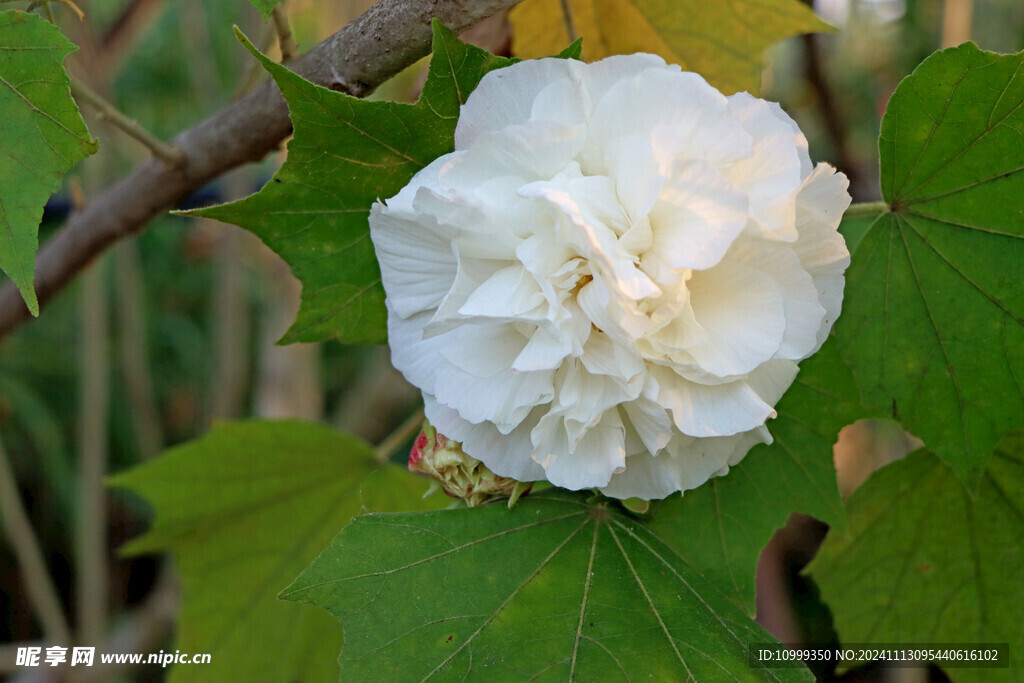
(460, 475)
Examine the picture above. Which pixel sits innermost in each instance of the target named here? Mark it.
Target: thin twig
(570, 26)
(230, 372)
(45, 4)
(42, 592)
(285, 39)
(170, 155)
(288, 378)
(129, 25)
(91, 523)
(135, 370)
(390, 36)
(73, 7)
(413, 424)
(867, 209)
(831, 116)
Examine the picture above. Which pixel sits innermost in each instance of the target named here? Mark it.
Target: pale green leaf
(557, 588)
(925, 562)
(722, 41)
(243, 510)
(42, 135)
(933, 323)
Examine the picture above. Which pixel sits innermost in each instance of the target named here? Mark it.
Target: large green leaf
(243, 510)
(933, 326)
(345, 154)
(722, 41)
(925, 562)
(558, 588)
(42, 135)
(722, 526)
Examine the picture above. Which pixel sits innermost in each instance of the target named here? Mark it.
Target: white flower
(609, 282)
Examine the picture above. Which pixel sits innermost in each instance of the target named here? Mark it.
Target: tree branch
(171, 156)
(289, 50)
(388, 37)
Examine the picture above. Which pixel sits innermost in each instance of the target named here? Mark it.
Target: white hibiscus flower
(610, 281)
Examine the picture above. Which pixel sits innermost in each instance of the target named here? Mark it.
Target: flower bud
(460, 475)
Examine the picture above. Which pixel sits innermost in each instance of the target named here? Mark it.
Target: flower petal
(650, 421)
(685, 464)
(821, 248)
(724, 409)
(772, 175)
(507, 96)
(593, 461)
(419, 264)
(743, 313)
(504, 399)
(510, 293)
(507, 455)
(689, 116)
(804, 314)
(698, 215)
(542, 352)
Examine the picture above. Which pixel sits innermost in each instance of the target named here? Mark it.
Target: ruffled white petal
(505, 454)
(723, 409)
(743, 313)
(419, 264)
(603, 445)
(772, 174)
(698, 215)
(821, 248)
(684, 465)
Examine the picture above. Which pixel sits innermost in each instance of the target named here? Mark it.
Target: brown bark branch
(388, 37)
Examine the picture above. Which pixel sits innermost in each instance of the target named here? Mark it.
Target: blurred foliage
(242, 521)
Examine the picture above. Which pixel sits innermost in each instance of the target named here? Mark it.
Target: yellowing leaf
(722, 41)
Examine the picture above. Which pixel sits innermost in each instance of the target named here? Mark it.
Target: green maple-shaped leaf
(346, 154)
(42, 135)
(243, 510)
(558, 588)
(924, 561)
(933, 324)
(722, 526)
(722, 41)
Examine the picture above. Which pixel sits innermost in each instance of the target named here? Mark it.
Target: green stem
(406, 430)
(862, 209)
(169, 154)
(91, 532)
(40, 589)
